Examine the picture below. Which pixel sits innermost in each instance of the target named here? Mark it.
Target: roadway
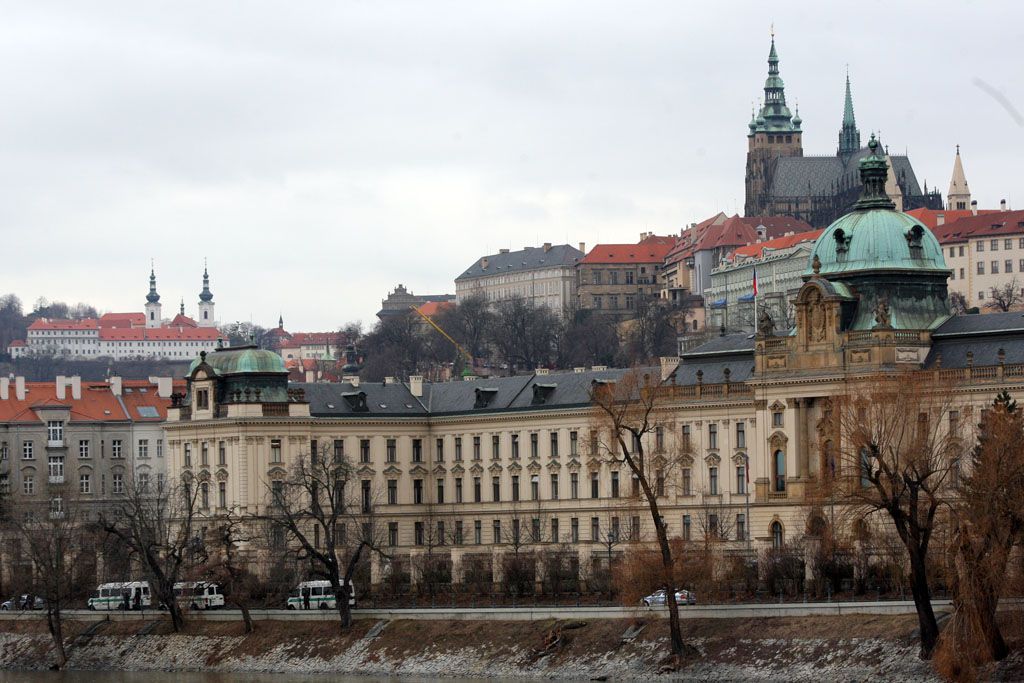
(525, 613)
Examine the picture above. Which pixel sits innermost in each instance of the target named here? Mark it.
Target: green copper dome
(874, 236)
(241, 360)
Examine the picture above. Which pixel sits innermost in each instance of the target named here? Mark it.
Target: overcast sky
(319, 153)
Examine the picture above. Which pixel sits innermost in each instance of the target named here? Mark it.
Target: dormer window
(356, 401)
(484, 397)
(914, 236)
(542, 393)
(202, 399)
(842, 241)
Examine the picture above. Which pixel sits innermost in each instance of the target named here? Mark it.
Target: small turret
(206, 318)
(959, 197)
(153, 317)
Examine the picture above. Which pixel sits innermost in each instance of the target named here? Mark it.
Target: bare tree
(57, 539)
(627, 411)
(314, 506)
(990, 522)
(958, 303)
(895, 461)
(524, 334)
(1005, 297)
(157, 525)
(227, 566)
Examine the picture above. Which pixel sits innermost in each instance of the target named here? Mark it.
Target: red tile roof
(61, 324)
(122, 320)
(732, 232)
(1000, 224)
(160, 334)
(650, 250)
(97, 403)
(757, 250)
(184, 321)
(432, 308)
(17, 342)
(777, 226)
(930, 217)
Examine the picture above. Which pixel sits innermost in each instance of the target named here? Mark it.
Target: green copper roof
(774, 116)
(874, 236)
(241, 360)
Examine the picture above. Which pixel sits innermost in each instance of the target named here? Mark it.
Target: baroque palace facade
(462, 464)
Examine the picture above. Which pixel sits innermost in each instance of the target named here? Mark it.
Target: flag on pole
(755, 280)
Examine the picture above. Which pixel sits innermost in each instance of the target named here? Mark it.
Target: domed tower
(153, 317)
(773, 133)
(206, 318)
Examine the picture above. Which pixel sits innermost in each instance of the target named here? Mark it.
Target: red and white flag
(755, 280)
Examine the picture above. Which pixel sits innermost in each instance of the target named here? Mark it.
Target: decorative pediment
(660, 462)
(739, 458)
(458, 469)
(573, 465)
(495, 467)
(222, 474)
(419, 469)
(554, 466)
(712, 459)
(439, 469)
(593, 464)
(477, 468)
(778, 440)
(367, 471)
(277, 472)
(204, 475)
(390, 470)
(86, 467)
(777, 406)
(534, 467)
(686, 460)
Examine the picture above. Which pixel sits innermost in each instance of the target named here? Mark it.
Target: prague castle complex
(460, 464)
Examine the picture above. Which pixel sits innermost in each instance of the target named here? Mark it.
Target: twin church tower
(780, 180)
(153, 307)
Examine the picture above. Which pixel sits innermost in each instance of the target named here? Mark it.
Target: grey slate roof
(742, 342)
(530, 258)
(953, 352)
(811, 175)
(988, 323)
(328, 400)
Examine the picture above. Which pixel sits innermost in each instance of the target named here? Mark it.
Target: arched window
(780, 471)
(777, 537)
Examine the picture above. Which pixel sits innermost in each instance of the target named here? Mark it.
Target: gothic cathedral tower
(774, 133)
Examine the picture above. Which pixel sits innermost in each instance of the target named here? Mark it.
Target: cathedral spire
(152, 297)
(849, 136)
(774, 116)
(959, 197)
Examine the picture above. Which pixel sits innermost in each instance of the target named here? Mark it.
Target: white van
(132, 595)
(198, 595)
(320, 596)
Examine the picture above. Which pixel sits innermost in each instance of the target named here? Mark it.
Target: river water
(195, 677)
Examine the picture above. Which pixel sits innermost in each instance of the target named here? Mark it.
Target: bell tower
(773, 132)
(153, 317)
(206, 318)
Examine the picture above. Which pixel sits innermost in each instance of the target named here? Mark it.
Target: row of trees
(516, 335)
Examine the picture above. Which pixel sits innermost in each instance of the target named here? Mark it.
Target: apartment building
(543, 276)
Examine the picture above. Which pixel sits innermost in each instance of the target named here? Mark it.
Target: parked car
(21, 603)
(657, 598)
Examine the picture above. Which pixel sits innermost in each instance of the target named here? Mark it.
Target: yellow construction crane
(468, 356)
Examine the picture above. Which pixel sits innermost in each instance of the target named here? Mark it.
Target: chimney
(76, 388)
(19, 388)
(503, 251)
(1002, 205)
(60, 384)
(163, 386)
(583, 247)
(5, 388)
(350, 379)
(668, 366)
(389, 380)
(547, 246)
(974, 207)
(115, 385)
(940, 219)
(416, 385)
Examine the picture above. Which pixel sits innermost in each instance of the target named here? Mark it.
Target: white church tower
(959, 197)
(153, 318)
(206, 318)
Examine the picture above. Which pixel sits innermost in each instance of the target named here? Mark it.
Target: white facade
(543, 276)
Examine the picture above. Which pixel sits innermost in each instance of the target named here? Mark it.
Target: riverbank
(856, 647)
